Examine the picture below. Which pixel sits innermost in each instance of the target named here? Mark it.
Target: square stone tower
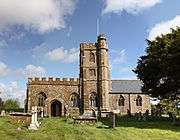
(94, 75)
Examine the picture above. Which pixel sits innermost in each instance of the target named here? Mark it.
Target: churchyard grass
(59, 129)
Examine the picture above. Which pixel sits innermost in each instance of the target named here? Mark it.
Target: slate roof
(126, 86)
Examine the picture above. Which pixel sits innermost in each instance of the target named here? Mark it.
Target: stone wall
(113, 102)
(20, 118)
(73, 112)
(145, 103)
(129, 103)
(89, 88)
(54, 89)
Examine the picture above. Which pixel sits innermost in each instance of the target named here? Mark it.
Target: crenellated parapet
(52, 81)
(87, 46)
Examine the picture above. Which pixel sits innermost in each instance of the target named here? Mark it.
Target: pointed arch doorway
(56, 108)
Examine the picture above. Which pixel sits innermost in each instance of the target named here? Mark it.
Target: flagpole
(97, 28)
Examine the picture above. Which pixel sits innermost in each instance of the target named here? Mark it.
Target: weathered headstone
(112, 120)
(146, 115)
(34, 123)
(139, 116)
(3, 113)
(36, 116)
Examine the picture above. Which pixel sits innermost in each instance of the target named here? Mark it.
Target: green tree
(159, 69)
(11, 104)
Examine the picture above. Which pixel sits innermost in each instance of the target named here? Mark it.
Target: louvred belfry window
(92, 57)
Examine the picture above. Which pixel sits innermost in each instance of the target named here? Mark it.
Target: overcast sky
(42, 37)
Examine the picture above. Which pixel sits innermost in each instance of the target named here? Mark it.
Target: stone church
(93, 90)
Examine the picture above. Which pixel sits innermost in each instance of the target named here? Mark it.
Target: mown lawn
(58, 129)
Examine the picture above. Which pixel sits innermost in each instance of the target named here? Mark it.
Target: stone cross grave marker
(34, 123)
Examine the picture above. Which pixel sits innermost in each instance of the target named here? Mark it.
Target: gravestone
(36, 116)
(139, 116)
(146, 115)
(3, 113)
(34, 123)
(112, 120)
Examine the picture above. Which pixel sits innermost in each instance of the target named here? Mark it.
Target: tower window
(121, 101)
(139, 101)
(92, 57)
(92, 72)
(93, 100)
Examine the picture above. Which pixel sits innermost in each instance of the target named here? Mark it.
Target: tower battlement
(87, 46)
(52, 80)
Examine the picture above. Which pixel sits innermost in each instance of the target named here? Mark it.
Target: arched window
(93, 100)
(41, 99)
(139, 101)
(74, 100)
(92, 57)
(121, 101)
